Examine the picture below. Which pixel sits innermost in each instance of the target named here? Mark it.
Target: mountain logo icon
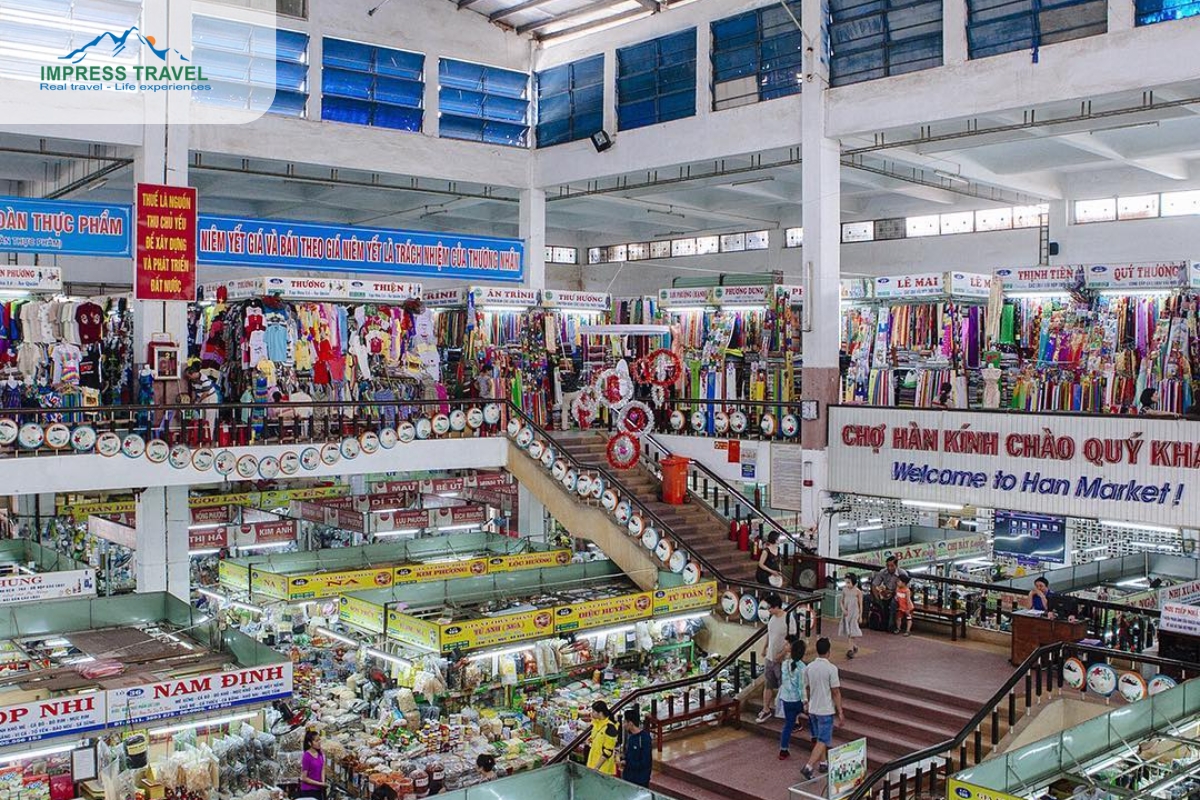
(110, 44)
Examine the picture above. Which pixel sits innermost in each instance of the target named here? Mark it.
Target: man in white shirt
(775, 649)
(824, 700)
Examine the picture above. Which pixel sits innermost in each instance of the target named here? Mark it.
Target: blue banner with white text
(240, 242)
(63, 228)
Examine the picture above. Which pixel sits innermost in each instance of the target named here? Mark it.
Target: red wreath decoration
(635, 418)
(623, 451)
(652, 370)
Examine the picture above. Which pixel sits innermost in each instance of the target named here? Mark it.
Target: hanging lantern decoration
(635, 418)
(623, 451)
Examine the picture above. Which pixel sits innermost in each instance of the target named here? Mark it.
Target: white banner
(697, 296)
(970, 284)
(203, 693)
(1040, 279)
(31, 279)
(929, 284)
(1186, 594)
(1162, 275)
(793, 295)
(504, 296)
(856, 289)
(48, 586)
(436, 298)
(45, 719)
(741, 295)
(1179, 618)
(1134, 469)
(580, 301)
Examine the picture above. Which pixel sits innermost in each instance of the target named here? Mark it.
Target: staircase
(698, 528)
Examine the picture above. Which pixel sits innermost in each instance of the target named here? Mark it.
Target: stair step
(889, 689)
(858, 693)
(679, 788)
(885, 744)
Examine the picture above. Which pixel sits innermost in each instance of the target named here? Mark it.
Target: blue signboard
(281, 244)
(63, 228)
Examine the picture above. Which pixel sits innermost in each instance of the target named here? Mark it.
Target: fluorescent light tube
(208, 552)
(866, 528)
(203, 723)
(265, 545)
(403, 662)
(8, 758)
(931, 504)
(245, 607)
(470, 527)
(400, 532)
(207, 526)
(220, 598)
(508, 651)
(448, 494)
(1134, 582)
(337, 637)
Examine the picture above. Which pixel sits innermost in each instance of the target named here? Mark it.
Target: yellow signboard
(331, 584)
(598, 613)
(82, 511)
(281, 497)
(959, 790)
(412, 630)
(268, 584)
(234, 576)
(214, 500)
(491, 631)
(685, 598)
(441, 570)
(547, 558)
(362, 614)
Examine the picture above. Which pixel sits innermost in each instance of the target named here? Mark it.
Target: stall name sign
(1181, 593)
(740, 295)
(499, 296)
(345, 520)
(138, 704)
(523, 561)
(929, 284)
(1040, 279)
(326, 289)
(856, 289)
(48, 586)
(405, 628)
(605, 611)
(330, 584)
(792, 295)
(918, 553)
(31, 279)
(685, 297)
(210, 516)
(480, 480)
(685, 598)
(967, 284)
(1194, 275)
(165, 262)
(444, 297)
(1179, 618)
(360, 613)
(45, 719)
(581, 301)
(412, 519)
(491, 631)
(1134, 469)
(1162, 275)
(262, 532)
(68, 229)
(278, 244)
(208, 538)
(234, 576)
(960, 790)
(441, 570)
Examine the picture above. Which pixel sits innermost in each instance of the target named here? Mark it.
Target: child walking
(851, 601)
(904, 607)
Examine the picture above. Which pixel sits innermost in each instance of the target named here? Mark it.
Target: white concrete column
(429, 125)
(533, 233)
(1121, 15)
(610, 91)
(954, 32)
(531, 515)
(704, 96)
(316, 55)
(163, 517)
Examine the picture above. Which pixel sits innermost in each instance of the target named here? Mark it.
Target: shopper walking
(312, 768)
(638, 758)
(602, 746)
(851, 601)
(768, 572)
(775, 648)
(791, 694)
(883, 589)
(823, 694)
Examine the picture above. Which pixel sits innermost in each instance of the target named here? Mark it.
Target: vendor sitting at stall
(883, 590)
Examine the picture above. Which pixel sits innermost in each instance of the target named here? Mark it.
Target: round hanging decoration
(789, 426)
(636, 418)
(776, 581)
(730, 601)
(133, 445)
(458, 420)
(650, 539)
(677, 420)
(691, 573)
(598, 487)
(108, 444)
(424, 428)
(679, 560)
(289, 462)
(636, 525)
(721, 421)
(440, 424)
(536, 448)
(350, 447)
(737, 422)
(31, 436)
(584, 485)
(1132, 687)
(525, 439)
(474, 418)
(181, 456)
(247, 467)
(559, 470)
(664, 550)
(157, 451)
(767, 424)
(202, 459)
(1160, 683)
(491, 413)
(658, 396)
(330, 454)
(368, 442)
(623, 451)
(406, 432)
(749, 607)
(224, 462)
(514, 427)
(310, 457)
(764, 613)
(268, 467)
(58, 436)
(548, 457)
(387, 438)
(585, 406)
(8, 430)
(697, 421)
(1102, 679)
(609, 499)
(83, 438)
(661, 367)
(571, 479)
(614, 386)
(623, 511)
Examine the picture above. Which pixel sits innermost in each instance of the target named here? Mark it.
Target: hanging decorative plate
(767, 424)
(289, 462)
(224, 462)
(474, 418)
(202, 459)
(310, 457)
(584, 485)
(737, 422)
(623, 511)
(636, 524)
(8, 430)
(1074, 673)
(559, 470)
(1132, 687)
(721, 422)
(536, 448)
(525, 439)
(650, 539)
(268, 467)
(31, 436)
(133, 445)
(730, 601)
(623, 451)
(698, 421)
(83, 438)
(679, 560)
(368, 442)
(609, 499)
(1160, 683)
(598, 487)
(571, 479)
(678, 420)
(514, 427)
(548, 457)
(330, 454)
(635, 417)
(157, 451)
(350, 447)
(664, 550)
(247, 467)
(440, 424)
(789, 425)
(764, 613)
(424, 428)
(406, 432)
(108, 444)
(458, 420)
(491, 413)
(749, 607)
(181, 456)
(387, 438)
(691, 573)
(58, 436)
(1102, 679)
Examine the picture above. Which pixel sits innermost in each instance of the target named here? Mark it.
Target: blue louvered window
(367, 85)
(1151, 11)
(656, 80)
(483, 104)
(757, 56)
(251, 67)
(1002, 26)
(873, 39)
(570, 101)
(36, 32)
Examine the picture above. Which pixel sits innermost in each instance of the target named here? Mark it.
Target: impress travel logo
(75, 73)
